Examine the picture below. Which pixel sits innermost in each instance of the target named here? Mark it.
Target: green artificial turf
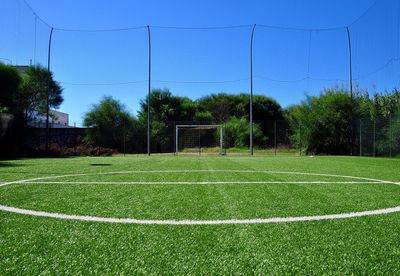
(365, 245)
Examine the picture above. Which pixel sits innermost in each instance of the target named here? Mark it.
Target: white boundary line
(196, 182)
(198, 222)
(197, 171)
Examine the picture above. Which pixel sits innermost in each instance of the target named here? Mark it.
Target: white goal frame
(221, 135)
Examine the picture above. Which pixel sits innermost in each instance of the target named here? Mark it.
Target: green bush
(236, 134)
(107, 123)
(322, 124)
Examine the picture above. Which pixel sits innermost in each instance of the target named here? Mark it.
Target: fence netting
(197, 63)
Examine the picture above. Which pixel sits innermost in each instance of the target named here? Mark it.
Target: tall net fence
(378, 137)
(198, 63)
(24, 34)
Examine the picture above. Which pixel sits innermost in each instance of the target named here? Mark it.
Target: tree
(11, 131)
(219, 105)
(165, 109)
(236, 134)
(35, 89)
(322, 124)
(224, 106)
(10, 82)
(23, 96)
(108, 124)
(203, 117)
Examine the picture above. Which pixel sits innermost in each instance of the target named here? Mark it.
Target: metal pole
(251, 90)
(124, 139)
(374, 138)
(199, 141)
(301, 145)
(176, 140)
(48, 93)
(351, 89)
(350, 63)
(390, 136)
(360, 138)
(34, 48)
(275, 136)
(148, 97)
(173, 139)
(221, 139)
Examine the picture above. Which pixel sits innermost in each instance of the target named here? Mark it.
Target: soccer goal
(199, 139)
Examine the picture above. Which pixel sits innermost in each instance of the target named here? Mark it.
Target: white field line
(199, 222)
(197, 171)
(196, 183)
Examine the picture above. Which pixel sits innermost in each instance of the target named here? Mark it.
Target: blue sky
(288, 64)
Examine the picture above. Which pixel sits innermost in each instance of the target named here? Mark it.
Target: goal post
(195, 138)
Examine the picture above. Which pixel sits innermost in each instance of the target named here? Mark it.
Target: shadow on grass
(9, 164)
(100, 165)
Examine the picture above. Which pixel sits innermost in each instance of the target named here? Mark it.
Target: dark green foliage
(388, 138)
(109, 124)
(330, 123)
(219, 105)
(11, 115)
(34, 92)
(10, 82)
(323, 124)
(166, 107)
(24, 97)
(380, 105)
(394, 135)
(167, 110)
(224, 106)
(236, 134)
(203, 117)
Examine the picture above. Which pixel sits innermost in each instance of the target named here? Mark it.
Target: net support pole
(351, 88)
(390, 136)
(300, 143)
(374, 144)
(221, 139)
(124, 137)
(275, 137)
(251, 90)
(350, 62)
(176, 140)
(149, 92)
(48, 93)
(360, 137)
(199, 141)
(35, 39)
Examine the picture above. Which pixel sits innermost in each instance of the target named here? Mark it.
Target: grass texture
(33, 245)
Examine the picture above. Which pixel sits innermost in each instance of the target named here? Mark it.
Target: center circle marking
(199, 222)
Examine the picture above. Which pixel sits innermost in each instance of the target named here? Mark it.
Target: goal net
(199, 139)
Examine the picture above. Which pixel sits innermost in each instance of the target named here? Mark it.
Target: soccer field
(200, 215)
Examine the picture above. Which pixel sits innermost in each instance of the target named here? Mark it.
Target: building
(57, 119)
